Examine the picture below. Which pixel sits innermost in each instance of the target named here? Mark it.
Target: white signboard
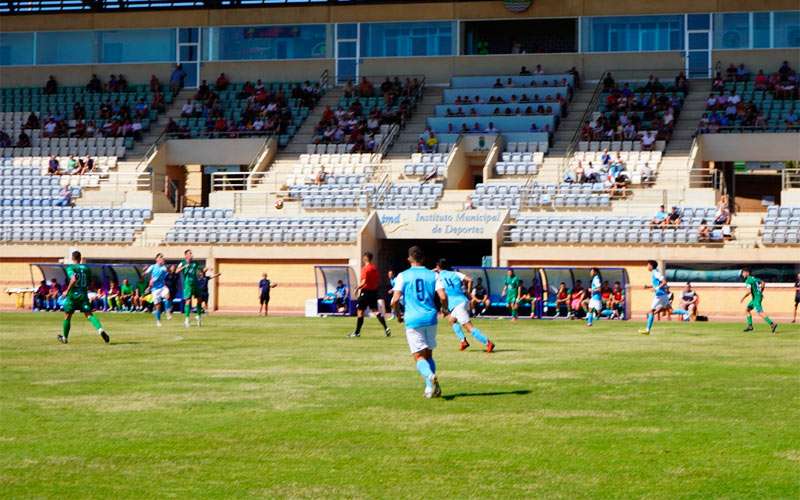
(429, 225)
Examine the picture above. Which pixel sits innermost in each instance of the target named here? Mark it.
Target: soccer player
(76, 298)
(454, 283)
(368, 296)
(511, 293)
(265, 286)
(418, 286)
(596, 301)
(191, 270)
(158, 288)
(755, 290)
(660, 295)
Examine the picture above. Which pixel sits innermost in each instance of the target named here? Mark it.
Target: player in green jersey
(755, 290)
(511, 291)
(76, 298)
(192, 270)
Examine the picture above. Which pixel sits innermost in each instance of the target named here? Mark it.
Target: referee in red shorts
(368, 295)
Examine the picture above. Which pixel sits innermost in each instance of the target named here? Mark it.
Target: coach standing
(265, 286)
(368, 295)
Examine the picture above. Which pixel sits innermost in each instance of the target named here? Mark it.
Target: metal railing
(790, 177)
(576, 136)
(556, 234)
(325, 80)
(742, 129)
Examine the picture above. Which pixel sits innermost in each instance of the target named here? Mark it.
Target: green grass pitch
(289, 407)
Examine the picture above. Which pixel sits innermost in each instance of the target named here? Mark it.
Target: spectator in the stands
(222, 82)
(141, 110)
(122, 83)
(673, 218)
(524, 71)
(497, 84)
(681, 82)
(155, 84)
(648, 140)
(53, 166)
(538, 70)
(730, 73)
(187, 110)
(321, 176)
(94, 85)
(608, 82)
(64, 197)
(23, 140)
(203, 91)
(659, 218)
(703, 231)
(158, 103)
(51, 87)
(722, 217)
(742, 75)
(177, 79)
(718, 84)
(113, 84)
(5, 140)
(32, 121)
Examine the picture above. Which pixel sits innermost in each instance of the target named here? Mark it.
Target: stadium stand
(782, 225)
(206, 225)
(613, 229)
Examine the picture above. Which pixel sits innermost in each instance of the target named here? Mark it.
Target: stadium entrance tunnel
(393, 254)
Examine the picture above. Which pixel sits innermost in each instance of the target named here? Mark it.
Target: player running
(76, 298)
(418, 286)
(755, 290)
(511, 293)
(596, 300)
(158, 288)
(454, 283)
(191, 270)
(660, 295)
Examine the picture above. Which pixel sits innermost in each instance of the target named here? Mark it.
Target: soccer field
(289, 407)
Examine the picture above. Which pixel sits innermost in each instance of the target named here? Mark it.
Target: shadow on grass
(518, 392)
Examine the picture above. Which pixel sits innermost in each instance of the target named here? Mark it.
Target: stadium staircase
(155, 231)
(693, 108)
(297, 145)
(406, 142)
(157, 128)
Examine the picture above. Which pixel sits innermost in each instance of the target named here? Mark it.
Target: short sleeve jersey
(159, 276)
(453, 287)
(82, 275)
(655, 280)
(418, 286)
(264, 287)
(797, 289)
(369, 273)
(191, 270)
(688, 296)
(597, 286)
(754, 285)
(512, 285)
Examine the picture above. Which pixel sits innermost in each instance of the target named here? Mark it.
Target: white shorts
(160, 295)
(460, 313)
(421, 338)
(660, 302)
(596, 305)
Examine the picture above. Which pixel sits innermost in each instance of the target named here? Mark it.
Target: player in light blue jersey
(158, 287)
(419, 285)
(660, 295)
(596, 300)
(454, 284)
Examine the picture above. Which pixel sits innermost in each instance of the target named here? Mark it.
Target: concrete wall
(213, 151)
(750, 147)
(767, 59)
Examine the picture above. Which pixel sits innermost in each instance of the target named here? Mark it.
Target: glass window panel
(761, 30)
(65, 47)
(16, 49)
(407, 39)
(787, 29)
(698, 41)
(698, 64)
(268, 42)
(188, 53)
(137, 46)
(732, 31)
(345, 70)
(346, 31)
(632, 33)
(697, 22)
(188, 35)
(347, 49)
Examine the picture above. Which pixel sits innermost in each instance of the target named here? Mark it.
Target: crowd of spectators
(611, 171)
(73, 166)
(646, 113)
(574, 303)
(265, 112)
(522, 104)
(726, 108)
(356, 125)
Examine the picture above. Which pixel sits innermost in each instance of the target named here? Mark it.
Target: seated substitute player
(596, 301)
(617, 301)
(689, 302)
(454, 283)
(191, 270)
(511, 293)
(76, 298)
(158, 288)
(479, 297)
(755, 290)
(660, 295)
(418, 286)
